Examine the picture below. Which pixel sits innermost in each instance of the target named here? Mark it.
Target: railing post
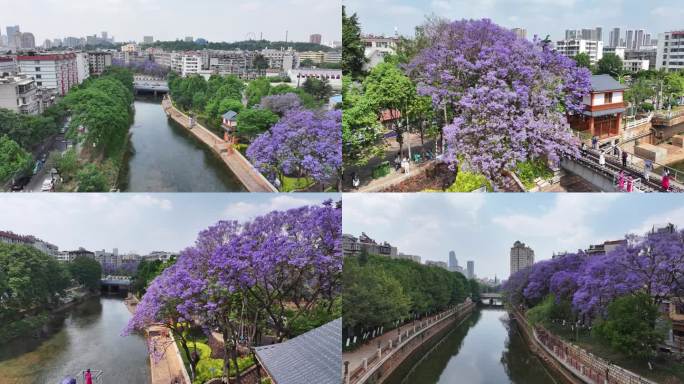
(365, 363)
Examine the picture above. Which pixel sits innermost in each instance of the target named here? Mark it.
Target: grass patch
(211, 368)
(530, 170)
(292, 184)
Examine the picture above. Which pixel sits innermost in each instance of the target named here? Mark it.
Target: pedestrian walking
(648, 165)
(621, 181)
(397, 162)
(665, 181)
(630, 183)
(405, 165)
(583, 148)
(624, 158)
(594, 142)
(602, 160)
(355, 181)
(88, 377)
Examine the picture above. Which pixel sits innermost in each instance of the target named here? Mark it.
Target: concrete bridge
(115, 285)
(148, 84)
(491, 299)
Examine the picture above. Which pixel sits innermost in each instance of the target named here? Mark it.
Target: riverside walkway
(249, 176)
(395, 345)
(167, 367)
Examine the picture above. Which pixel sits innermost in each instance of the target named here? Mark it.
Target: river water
(165, 158)
(87, 336)
(484, 349)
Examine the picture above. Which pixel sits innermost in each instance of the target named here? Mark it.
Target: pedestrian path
(249, 176)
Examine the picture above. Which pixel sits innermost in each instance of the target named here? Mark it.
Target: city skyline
(122, 19)
(483, 228)
(538, 17)
(138, 223)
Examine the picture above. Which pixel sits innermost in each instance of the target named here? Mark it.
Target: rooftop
(600, 83)
(313, 357)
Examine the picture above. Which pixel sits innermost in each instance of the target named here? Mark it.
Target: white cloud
(243, 210)
(673, 216)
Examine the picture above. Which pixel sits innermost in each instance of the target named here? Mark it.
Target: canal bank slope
(252, 179)
(378, 366)
(573, 363)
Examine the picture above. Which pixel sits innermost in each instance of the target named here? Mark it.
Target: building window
(608, 97)
(39, 83)
(39, 76)
(37, 69)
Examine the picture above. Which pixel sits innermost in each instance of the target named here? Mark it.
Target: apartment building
(573, 47)
(51, 71)
(670, 51)
(18, 93)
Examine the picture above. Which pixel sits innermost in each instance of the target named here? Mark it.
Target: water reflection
(86, 336)
(484, 349)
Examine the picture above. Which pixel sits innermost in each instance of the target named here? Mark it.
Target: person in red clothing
(666, 182)
(88, 377)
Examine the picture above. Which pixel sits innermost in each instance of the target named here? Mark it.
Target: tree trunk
(193, 364)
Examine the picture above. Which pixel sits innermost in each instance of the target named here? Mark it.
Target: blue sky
(540, 17)
(483, 227)
(134, 222)
(215, 20)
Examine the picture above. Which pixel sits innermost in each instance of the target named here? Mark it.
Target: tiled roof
(230, 115)
(313, 357)
(601, 83)
(389, 114)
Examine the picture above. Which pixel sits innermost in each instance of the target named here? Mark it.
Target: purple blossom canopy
(295, 256)
(509, 96)
(281, 104)
(303, 142)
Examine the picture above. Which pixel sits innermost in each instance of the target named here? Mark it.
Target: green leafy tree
(257, 89)
(353, 56)
(583, 60)
(371, 298)
(13, 159)
(306, 63)
(260, 63)
(252, 122)
(387, 87)
(91, 179)
(610, 64)
(361, 129)
(640, 90)
(68, 164)
(319, 89)
(86, 271)
(630, 326)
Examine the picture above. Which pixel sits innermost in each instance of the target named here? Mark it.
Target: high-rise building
(12, 31)
(453, 261)
(54, 71)
(614, 37)
(522, 257)
(638, 38)
(471, 269)
(629, 39)
(520, 32)
(28, 41)
(315, 38)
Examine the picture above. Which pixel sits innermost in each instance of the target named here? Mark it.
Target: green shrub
(468, 181)
(383, 169)
(211, 368)
(528, 171)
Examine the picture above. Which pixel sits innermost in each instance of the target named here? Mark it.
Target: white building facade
(573, 47)
(670, 51)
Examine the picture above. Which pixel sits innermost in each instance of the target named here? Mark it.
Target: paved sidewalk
(249, 176)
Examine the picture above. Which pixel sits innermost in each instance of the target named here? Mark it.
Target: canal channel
(486, 348)
(86, 336)
(163, 157)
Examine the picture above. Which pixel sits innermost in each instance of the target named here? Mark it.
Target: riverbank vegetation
(615, 304)
(32, 284)
(487, 98)
(101, 115)
(292, 120)
(381, 293)
(248, 284)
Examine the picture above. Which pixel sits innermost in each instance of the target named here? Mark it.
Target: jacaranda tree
(506, 98)
(277, 267)
(302, 143)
